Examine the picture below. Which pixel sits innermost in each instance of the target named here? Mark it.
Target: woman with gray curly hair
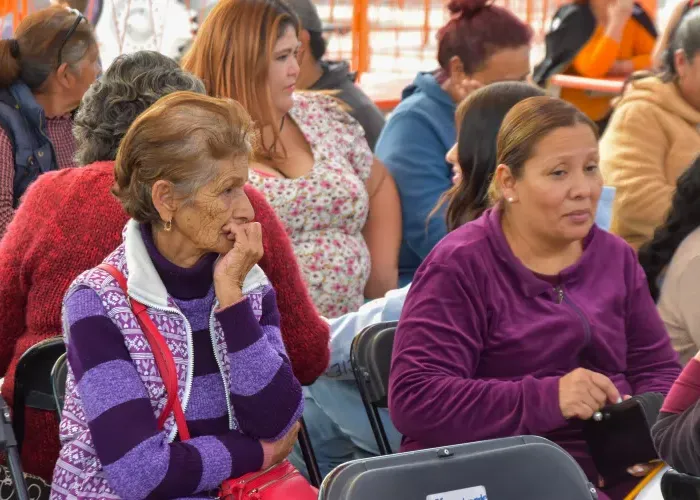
(69, 221)
(132, 83)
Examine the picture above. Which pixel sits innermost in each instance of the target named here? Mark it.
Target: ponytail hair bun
(9, 64)
(476, 30)
(467, 8)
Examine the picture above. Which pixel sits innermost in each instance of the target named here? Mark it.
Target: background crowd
(540, 253)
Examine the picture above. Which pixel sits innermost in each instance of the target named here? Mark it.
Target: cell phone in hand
(620, 436)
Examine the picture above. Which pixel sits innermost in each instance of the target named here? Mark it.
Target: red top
(675, 433)
(69, 222)
(685, 391)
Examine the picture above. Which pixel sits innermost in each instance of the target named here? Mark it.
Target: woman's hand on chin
(232, 268)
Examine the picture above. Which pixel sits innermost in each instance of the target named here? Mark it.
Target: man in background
(317, 74)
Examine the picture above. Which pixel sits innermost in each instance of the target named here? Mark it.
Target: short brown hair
(525, 125)
(178, 139)
(239, 70)
(40, 37)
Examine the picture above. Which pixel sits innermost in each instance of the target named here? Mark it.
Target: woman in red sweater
(69, 221)
(44, 72)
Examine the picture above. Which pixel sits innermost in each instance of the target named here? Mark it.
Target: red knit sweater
(68, 222)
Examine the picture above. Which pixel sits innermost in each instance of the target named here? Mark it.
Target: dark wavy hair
(131, 84)
(479, 118)
(683, 219)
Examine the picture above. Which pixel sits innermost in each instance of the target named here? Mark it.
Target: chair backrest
(370, 357)
(33, 385)
(526, 467)
(678, 486)
(59, 372)
(307, 451)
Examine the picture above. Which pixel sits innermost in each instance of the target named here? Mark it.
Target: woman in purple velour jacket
(529, 319)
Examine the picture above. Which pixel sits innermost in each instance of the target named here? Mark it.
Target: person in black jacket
(315, 73)
(596, 39)
(571, 27)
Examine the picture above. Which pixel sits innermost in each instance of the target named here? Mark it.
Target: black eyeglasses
(79, 17)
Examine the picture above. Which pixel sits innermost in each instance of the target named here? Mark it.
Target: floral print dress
(325, 210)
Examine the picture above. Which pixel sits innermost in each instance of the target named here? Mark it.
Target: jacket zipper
(53, 150)
(42, 127)
(190, 354)
(220, 365)
(560, 294)
(586, 326)
(44, 134)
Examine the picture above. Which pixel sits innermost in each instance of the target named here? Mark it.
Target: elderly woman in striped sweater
(190, 255)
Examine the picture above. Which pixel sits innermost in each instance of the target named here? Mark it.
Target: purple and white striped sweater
(111, 446)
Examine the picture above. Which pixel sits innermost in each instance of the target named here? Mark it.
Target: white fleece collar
(144, 283)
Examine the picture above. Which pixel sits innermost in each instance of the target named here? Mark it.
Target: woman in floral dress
(338, 203)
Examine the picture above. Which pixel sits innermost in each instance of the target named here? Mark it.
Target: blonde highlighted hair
(232, 54)
(525, 125)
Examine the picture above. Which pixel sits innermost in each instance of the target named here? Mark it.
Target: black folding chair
(307, 451)
(58, 382)
(678, 486)
(370, 357)
(8, 444)
(33, 385)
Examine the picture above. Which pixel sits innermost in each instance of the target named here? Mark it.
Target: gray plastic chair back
(523, 468)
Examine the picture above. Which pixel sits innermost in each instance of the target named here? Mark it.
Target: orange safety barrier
(612, 86)
(12, 11)
(386, 89)
(399, 37)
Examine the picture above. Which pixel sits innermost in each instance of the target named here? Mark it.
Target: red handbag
(278, 482)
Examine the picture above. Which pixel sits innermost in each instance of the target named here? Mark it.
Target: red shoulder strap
(161, 354)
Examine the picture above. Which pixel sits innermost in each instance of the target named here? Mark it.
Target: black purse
(619, 435)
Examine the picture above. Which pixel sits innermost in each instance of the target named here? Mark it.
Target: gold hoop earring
(168, 225)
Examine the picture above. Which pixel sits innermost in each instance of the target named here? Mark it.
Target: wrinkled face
(206, 220)
(85, 73)
(557, 193)
(284, 71)
(505, 65)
